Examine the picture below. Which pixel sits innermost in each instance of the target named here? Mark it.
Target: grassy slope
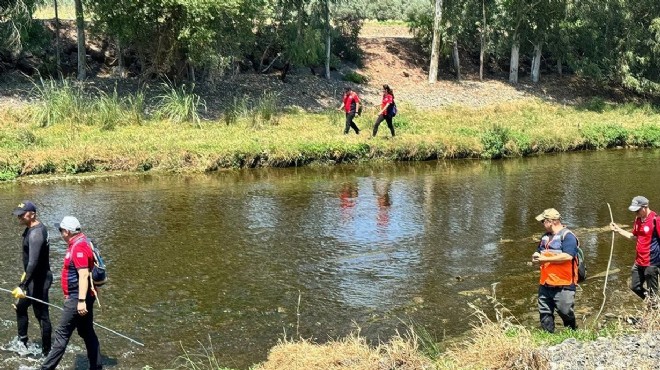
(515, 129)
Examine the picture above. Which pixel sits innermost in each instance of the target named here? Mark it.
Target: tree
(435, 44)
(80, 28)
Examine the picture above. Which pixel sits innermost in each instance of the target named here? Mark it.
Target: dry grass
(352, 352)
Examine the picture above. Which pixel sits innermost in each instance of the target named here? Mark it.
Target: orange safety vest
(556, 274)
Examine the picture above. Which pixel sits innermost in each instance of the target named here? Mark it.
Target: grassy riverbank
(491, 344)
(108, 133)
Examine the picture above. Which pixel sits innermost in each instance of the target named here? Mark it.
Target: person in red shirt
(645, 233)
(351, 105)
(79, 297)
(385, 112)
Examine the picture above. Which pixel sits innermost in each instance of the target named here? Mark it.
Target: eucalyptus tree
(624, 50)
(435, 43)
(544, 20)
(80, 37)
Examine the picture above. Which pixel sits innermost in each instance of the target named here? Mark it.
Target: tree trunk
(435, 45)
(457, 61)
(80, 26)
(483, 41)
(559, 68)
(327, 39)
(513, 70)
(122, 68)
(536, 63)
(57, 38)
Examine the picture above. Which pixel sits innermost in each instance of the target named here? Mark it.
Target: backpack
(99, 275)
(391, 110)
(579, 257)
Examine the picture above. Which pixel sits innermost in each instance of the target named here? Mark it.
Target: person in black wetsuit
(37, 278)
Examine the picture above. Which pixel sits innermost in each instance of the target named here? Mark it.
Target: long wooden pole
(607, 272)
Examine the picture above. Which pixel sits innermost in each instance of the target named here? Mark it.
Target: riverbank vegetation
(496, 341)
(69, 130)
(200, 41)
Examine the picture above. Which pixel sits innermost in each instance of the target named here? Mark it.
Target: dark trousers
(38, 288)
(85, 325)
(642, 274)
(558, 299)
(350, 124)
(380, 119)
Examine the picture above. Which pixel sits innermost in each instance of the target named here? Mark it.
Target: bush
(356, 78)
(599, 136)
(494, 141)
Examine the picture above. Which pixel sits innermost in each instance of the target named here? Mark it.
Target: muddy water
(238, 260)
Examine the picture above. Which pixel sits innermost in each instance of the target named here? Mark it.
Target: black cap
(26, 206)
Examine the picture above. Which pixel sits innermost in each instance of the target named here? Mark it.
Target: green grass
(179, 104)
(71, 130)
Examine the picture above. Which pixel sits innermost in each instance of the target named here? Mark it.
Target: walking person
(79, 297)
(645, 233)
(37, 277)
(351, 105)
(386, 110)
(556, 255)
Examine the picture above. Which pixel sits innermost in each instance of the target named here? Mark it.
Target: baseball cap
(26, 206)
(69, 223)
(549, 214)
(637, 203)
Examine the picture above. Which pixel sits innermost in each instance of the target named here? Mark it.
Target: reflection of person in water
(348, 197)
(384, 202)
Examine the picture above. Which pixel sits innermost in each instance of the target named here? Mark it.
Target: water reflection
(226, 255)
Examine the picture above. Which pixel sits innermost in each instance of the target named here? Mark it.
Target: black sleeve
(35, 243)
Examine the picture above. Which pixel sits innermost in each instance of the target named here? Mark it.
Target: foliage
(67, 103)
(179, 104)
(356, 78)
(380, 10)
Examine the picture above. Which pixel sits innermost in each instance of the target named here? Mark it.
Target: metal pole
(62, 309)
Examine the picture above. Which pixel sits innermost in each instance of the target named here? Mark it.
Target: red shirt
(644, 233)
(387, 99)
(78, 255)
(350, 102)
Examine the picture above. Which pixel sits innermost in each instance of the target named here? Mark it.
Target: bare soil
(391, 56)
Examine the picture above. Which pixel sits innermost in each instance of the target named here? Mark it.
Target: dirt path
(391, 57)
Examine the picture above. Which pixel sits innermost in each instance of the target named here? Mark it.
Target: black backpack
(99, 275)
(392, 110)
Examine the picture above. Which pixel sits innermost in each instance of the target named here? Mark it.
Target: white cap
(69, 223)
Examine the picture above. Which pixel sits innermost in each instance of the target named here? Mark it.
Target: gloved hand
(18, 293)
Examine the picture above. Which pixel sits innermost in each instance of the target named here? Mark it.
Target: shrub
(494, 141)
(179, 104)
(356, 78)
(599, 136)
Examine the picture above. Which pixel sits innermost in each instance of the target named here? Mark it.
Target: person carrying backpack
(556, 256)
(645, 233)
(79, 297)
(387, 110)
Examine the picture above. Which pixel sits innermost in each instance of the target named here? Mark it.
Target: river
(237, 260)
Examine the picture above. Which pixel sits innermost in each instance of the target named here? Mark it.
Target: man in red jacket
(647, 259)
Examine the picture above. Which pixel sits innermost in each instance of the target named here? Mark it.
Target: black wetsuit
(38, 279)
